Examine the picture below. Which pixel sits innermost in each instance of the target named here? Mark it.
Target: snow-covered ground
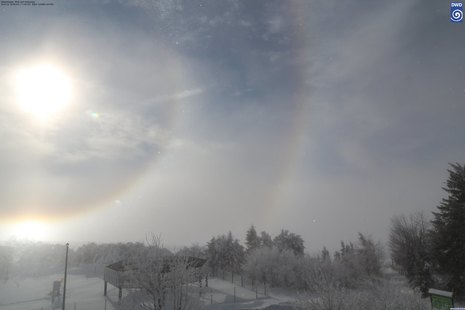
(87, 293)
(224, 294)
(34, 293)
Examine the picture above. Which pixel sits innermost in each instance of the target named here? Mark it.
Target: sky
(190, 119)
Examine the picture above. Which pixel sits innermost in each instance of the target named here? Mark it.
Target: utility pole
(66, 271)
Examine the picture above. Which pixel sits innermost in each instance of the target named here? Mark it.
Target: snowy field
(224, 294)
(84, 292)
(34, 293)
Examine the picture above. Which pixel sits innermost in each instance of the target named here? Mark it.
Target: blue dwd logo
(456, 12)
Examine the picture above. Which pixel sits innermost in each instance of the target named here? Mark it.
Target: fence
(261, 289)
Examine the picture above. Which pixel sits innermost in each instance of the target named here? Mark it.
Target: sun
(30, 230)
(42, 90)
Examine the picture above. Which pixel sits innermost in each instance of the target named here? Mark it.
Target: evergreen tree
(213, 255)
(448, 234)
(238, 257)
(325, 257)
(289, 241)
(337, 256)
(265, 239)
(225, 253)
(370, 256)
(347, 266)
(252, 241)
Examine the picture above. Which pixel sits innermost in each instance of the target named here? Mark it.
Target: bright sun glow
(42, 90)
(30, 230)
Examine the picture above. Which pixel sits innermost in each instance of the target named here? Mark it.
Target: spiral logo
(456, 15)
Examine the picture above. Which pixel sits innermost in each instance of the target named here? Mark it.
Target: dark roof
(118, 266)
(192, 262)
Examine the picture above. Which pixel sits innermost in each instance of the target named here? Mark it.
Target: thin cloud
(184, 94)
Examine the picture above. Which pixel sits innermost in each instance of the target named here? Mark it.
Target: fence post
(256, 292)
(234, 294)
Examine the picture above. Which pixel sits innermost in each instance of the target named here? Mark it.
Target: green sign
(441, 302)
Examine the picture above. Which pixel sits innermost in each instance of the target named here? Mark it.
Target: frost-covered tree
(252, 241)
(148, 271)
(38, 258)
(370, 255)
(325, 256)
(235, 255)
(88, 253)
(410, 245)
(259, 264)
(448, 233)
(225, 253)
(194, 250)
(273, 267)
(265, 239)
(6, 260)
(162, 275)
(106, 253)
(213, 255)
(347, 266)
(289, 241)
(355, 263)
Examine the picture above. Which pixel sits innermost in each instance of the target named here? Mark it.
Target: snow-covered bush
(354, 264)
(274, 267)
(379, 295)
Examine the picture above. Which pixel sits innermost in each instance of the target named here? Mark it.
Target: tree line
(282, 262)
(278, 261)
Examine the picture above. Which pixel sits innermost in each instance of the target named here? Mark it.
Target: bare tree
(145, 271)
(409, 243)
(164, 277)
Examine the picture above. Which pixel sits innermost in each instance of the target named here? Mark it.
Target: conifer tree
(266, 240)
(325, 257)
(252, 241)
(225, 253)
(448, 233)
(289, 241)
